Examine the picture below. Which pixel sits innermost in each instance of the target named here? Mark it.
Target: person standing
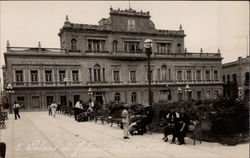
(77, 108)
(172, 120)
(183, 126)
(53, 108)
(125, 121)
(16, 110)
(50, 110)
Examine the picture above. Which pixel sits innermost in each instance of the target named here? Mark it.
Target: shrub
(229, 116)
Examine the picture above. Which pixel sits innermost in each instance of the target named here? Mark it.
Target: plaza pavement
(37, 135)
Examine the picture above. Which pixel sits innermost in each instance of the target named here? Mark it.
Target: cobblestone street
(38, 135)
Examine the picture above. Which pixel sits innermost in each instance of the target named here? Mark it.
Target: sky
(208, 25)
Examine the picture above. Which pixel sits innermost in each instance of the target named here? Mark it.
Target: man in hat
(172, 120)
(125, 121)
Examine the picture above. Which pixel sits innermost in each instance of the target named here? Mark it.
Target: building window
(116, 75)
(179, 75)
(117, 97)
(247, 78)
(62, 75)
(19, 76)
(34, 76)
(48, 75)
(224, 78)
(207, 94)
(198, 95)
(216, 77)
(164, 72)
(133, 97)
(97, 73)
(96, 45)
(161, 47)
(131, 46)
(73, 44)
(178, 48)
(189, 75)
(75, 75)
(234, 78)
(198, 75)
(169, 72)
(103, 74)
(90, 74)
(132, 75)
(115, 43)
(21, 101)
(207, 75)
(228, 79)
(168, 47)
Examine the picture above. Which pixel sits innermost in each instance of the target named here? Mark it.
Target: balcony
(74, 51)
(97, 82)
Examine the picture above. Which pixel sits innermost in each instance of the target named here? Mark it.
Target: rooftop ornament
(67, 18)
(8, 43)
(201, 50)
(219, 51)
(180, 27)
(39, 45)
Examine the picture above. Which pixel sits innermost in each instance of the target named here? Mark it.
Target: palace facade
(107, 62)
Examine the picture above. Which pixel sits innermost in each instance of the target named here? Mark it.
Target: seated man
(172, 120)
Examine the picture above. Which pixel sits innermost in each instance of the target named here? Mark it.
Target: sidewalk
(37, 135)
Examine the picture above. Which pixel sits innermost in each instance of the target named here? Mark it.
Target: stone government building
(110, 59)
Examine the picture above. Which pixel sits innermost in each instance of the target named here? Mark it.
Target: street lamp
(148, 44)
(90, 93)
(9, 90)
(187, 90)
(179, 92)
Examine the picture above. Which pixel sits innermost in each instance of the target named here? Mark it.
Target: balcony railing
(139, 53)
(80, 83)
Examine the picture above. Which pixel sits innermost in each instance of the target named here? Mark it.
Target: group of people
(177, 125)
(83, 111)
(139, 126)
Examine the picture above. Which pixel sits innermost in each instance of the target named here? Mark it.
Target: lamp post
(90, 93)
(148, 44)
(65, 80)
(9, 90)
(179, 92)
(187, 90)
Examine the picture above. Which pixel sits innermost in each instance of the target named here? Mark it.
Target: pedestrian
(91, 103)
(183, 123)
(53, 108)
(172, 120)
(50, 110)
(125, 121)
(78, 107)
(16, 110)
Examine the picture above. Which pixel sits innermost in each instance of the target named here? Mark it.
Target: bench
(2, 120)
(194, 129)
(102, 115)
(116, 117)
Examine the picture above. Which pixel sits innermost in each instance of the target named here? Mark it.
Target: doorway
(49, 100)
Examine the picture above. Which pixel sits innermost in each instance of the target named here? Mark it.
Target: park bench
(102, 115)
(2, 120)
(116, 117)
(194, 129)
